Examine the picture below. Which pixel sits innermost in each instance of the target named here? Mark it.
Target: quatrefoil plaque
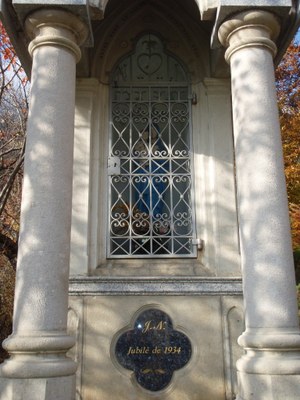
(153, 349)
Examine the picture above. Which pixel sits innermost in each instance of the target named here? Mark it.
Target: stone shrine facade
(154, 223)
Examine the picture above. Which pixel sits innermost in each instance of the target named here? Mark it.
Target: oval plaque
(153, 350)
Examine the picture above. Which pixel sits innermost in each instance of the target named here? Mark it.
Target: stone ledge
(175, 286)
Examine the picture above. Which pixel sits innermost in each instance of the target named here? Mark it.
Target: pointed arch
(181, 33)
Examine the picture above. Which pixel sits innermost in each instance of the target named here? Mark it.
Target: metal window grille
(151, 213)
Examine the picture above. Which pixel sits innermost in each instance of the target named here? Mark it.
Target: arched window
(151, 212)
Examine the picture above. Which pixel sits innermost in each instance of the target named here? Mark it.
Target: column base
(40, 355)
(62, 388)
(270, 367)
(270, 351)
(266, 387)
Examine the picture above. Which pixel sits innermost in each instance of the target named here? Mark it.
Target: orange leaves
(9, 54)
(6, 48)
(288, 92)
(295, 224)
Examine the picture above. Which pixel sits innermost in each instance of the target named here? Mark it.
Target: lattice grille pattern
(150, 212)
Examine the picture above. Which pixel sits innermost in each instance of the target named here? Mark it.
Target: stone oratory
(155, 255)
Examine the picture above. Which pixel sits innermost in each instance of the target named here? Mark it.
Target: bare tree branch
(9, 184)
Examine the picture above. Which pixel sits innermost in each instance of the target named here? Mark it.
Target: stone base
(62, 388)
(212, 324)
(266, 387)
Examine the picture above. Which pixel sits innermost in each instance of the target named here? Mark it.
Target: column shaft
(39, 340)
(262, 199)
(271, 339)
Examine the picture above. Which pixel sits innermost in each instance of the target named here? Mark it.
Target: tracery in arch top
(149, 63)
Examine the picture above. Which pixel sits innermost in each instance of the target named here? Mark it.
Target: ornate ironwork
(151, 213)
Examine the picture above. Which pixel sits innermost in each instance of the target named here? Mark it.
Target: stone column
(39, 341)
(270, 367)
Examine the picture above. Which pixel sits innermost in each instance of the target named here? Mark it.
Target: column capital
(56, 27)
(249, 29)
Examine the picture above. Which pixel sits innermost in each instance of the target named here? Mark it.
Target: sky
(297, 37)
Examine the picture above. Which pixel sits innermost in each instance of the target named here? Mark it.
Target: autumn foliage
(288, 90)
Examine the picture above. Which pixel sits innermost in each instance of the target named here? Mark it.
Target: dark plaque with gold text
(153, 350)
